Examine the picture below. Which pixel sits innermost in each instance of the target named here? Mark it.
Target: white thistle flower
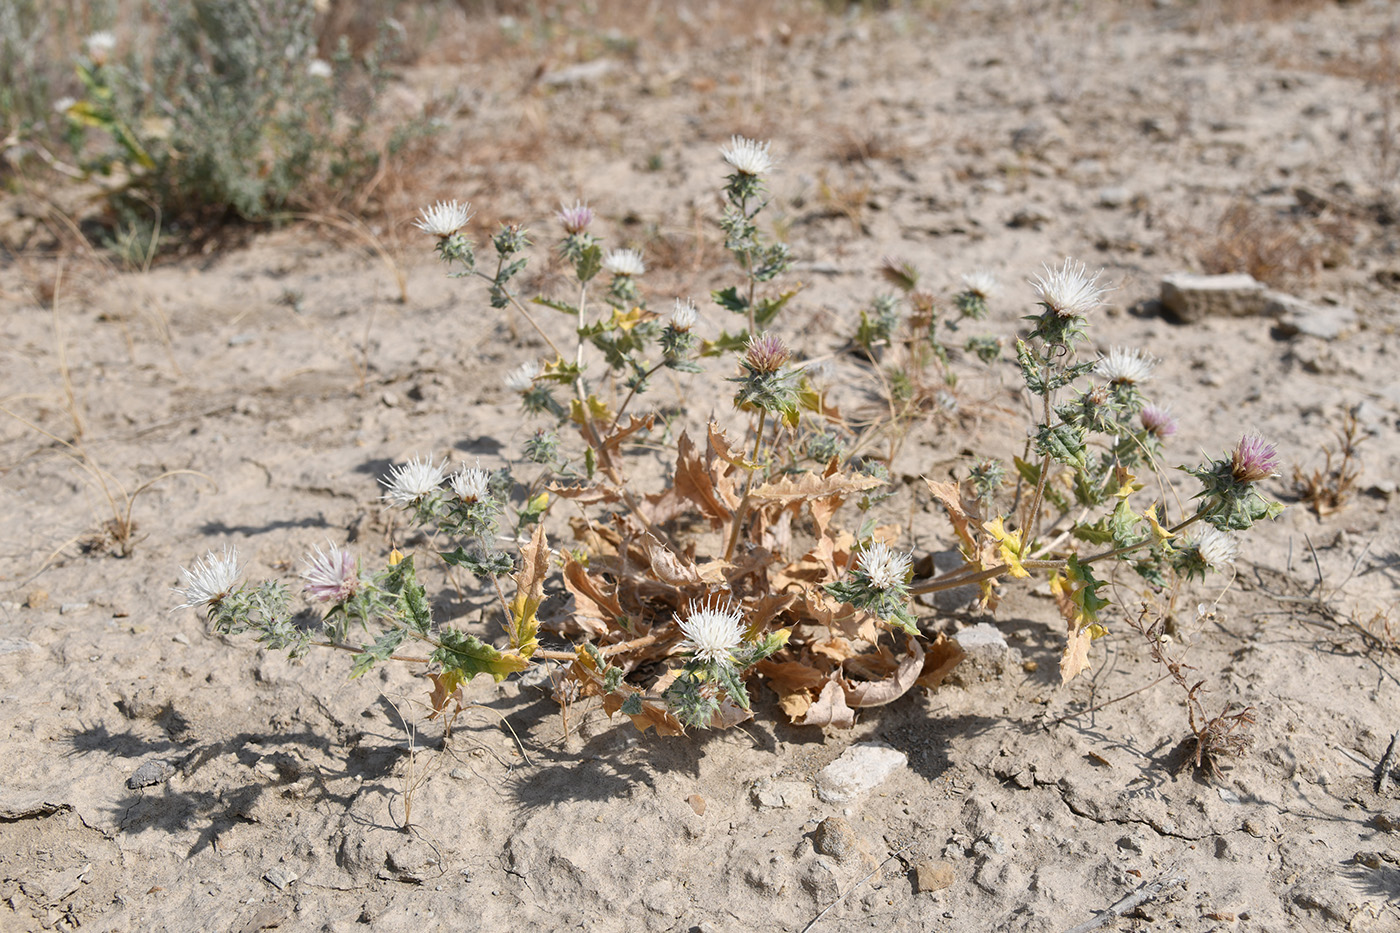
(712, 631)
(884, 567)
(319, 68)
(470, 484)
(1069, 291)
(683, 315)
(624, 262)
(522, 378)
(444, 218)
(99, 45)
(414, 480)
(982, 283)
(1124, 364)
(747, 157)
(1217, 548)
(330, 575)
(211, 579)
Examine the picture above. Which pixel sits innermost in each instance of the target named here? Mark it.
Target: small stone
(1226, 850)
(1297, 317)
(65, 608)
(1196, 297)
(1130, 844)
(16, 645)
(836, 838)
(37, 599)
(860, 768)
(1114, 197)
(180, 638)
(238, 340)
(279, 877)
(987, 658)
(989, 845)
(933, 875)
(155, 771)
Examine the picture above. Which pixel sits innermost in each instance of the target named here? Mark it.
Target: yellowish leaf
(529, 593)
(1009, 545)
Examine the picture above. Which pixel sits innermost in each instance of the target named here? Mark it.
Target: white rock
(860, 768)
(1196, 297)
(1296, 316)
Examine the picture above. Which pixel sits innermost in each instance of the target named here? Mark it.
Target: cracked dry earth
(160, 778)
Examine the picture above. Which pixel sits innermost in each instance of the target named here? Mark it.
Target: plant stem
(525, 314)
(969, 574)
(742, 512)
(649, 373)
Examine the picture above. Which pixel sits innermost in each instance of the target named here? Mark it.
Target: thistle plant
(745, 565)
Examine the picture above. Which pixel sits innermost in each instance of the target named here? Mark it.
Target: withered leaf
(950, 496)
(586, 495)
(880, 692)
(620, 433)
(447, 687)
(529, 593)
(939, 660)
(1076, 656)
(830, 709)
(811, 486)
(596, 603)
(695, 481)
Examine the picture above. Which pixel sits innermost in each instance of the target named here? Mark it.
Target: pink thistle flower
(330, 575)
(1158, 421)
(575, 219)
(1254, 459)
(766, 354)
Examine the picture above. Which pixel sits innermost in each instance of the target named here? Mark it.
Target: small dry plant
(761, 555)
(1329, 488)
(1212, 738)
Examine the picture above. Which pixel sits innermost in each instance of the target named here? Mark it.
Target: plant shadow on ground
(212, 811)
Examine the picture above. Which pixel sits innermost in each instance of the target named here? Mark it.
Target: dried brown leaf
(942, 656)
(829, 709)
(949, 496)
(695, 482)
(889, 689)
(586, 495)
(596, 603)
(1076, 656)
(609, 445)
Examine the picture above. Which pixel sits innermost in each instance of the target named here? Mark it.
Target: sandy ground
(290, 374)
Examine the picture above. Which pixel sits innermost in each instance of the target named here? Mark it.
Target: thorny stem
(609, 651)
(352, 649)
(1032, 514)
(969, 574)
(625, 402)
(524, 313)
(742, 512)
